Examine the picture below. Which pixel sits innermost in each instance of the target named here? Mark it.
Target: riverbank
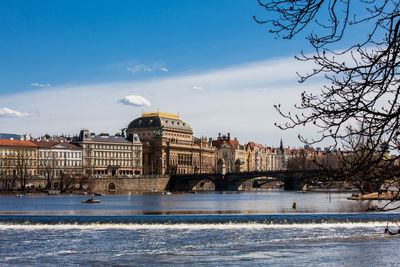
(376, 196)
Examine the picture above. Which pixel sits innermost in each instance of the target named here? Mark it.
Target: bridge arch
(111, 186)
(204, 185)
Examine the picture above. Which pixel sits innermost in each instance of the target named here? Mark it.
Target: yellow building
(18, 162)
(169, 146)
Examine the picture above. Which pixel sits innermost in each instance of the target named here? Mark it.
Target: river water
(210, 229)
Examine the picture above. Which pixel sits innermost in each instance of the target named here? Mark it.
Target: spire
(281, 146)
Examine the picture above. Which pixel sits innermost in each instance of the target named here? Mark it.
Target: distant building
(169, 146)
(230, 154)
(261, 158)
(18, 160)
(9, 136)
(257, 157)
(59, 158)
(106, 155)
(57, 138)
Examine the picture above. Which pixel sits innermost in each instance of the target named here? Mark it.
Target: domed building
(169, 146)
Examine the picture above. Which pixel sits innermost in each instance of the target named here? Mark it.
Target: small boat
(98, 194)
(167, 193)
(91, 200)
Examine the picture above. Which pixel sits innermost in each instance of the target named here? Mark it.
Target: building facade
(257, 157)
(169, 146)
(59, 158)
(106, 155)
(231, 156)
(18, 161)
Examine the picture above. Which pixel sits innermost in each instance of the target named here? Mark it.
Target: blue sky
(60, 42)
(68, 65)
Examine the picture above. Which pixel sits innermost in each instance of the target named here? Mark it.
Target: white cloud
(197, 87)
(164, 69)
(41, 85)
(135, 100)
(232, 103)
(263, 90)
(10, 113)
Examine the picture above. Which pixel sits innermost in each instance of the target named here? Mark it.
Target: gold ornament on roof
(161, 114)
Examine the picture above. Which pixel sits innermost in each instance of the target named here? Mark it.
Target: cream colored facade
(110, 156)
(18, 163)
(274, 159)
(231, 156)
(169, 146)
(260, 158)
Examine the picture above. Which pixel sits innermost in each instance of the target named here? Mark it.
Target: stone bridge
(293, 180)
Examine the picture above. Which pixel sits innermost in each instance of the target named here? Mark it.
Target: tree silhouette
(358, 108)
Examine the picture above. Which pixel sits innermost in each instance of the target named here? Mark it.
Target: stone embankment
(128, 185)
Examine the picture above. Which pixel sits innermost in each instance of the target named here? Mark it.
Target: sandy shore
(376, 196)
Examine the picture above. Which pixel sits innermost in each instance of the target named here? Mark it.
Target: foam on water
(233, 220)
(194, 226)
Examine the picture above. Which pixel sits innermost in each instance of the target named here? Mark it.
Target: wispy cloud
(138, 68)
(10, 113)
(230, 101)
(146, 68)
(197, 87)
(135, 100)
(41, 85)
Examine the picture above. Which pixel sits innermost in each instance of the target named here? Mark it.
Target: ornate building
(231, 156)
(105, 155)
(260, 158)
(256, 157)
(169, 145)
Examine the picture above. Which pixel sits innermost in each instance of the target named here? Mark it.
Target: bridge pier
(292, 183)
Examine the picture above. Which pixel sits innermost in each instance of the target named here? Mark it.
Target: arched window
(111, 186)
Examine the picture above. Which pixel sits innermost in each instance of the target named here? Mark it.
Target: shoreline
(127, 193)
(376, 196)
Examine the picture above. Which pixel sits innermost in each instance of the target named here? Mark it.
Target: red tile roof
(48, 144)
(253, 145)
(45, 144)
(19, 143)
(232, 143)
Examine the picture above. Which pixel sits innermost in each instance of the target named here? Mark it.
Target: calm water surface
(213, 229)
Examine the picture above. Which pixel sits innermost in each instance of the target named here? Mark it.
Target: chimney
(229, 136)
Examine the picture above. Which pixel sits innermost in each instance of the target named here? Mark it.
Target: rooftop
(48, 144)
(160, 114)
(159, 119)
(19, 143)
(10, 136)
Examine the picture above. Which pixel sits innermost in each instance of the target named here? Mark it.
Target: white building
(59, 158)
